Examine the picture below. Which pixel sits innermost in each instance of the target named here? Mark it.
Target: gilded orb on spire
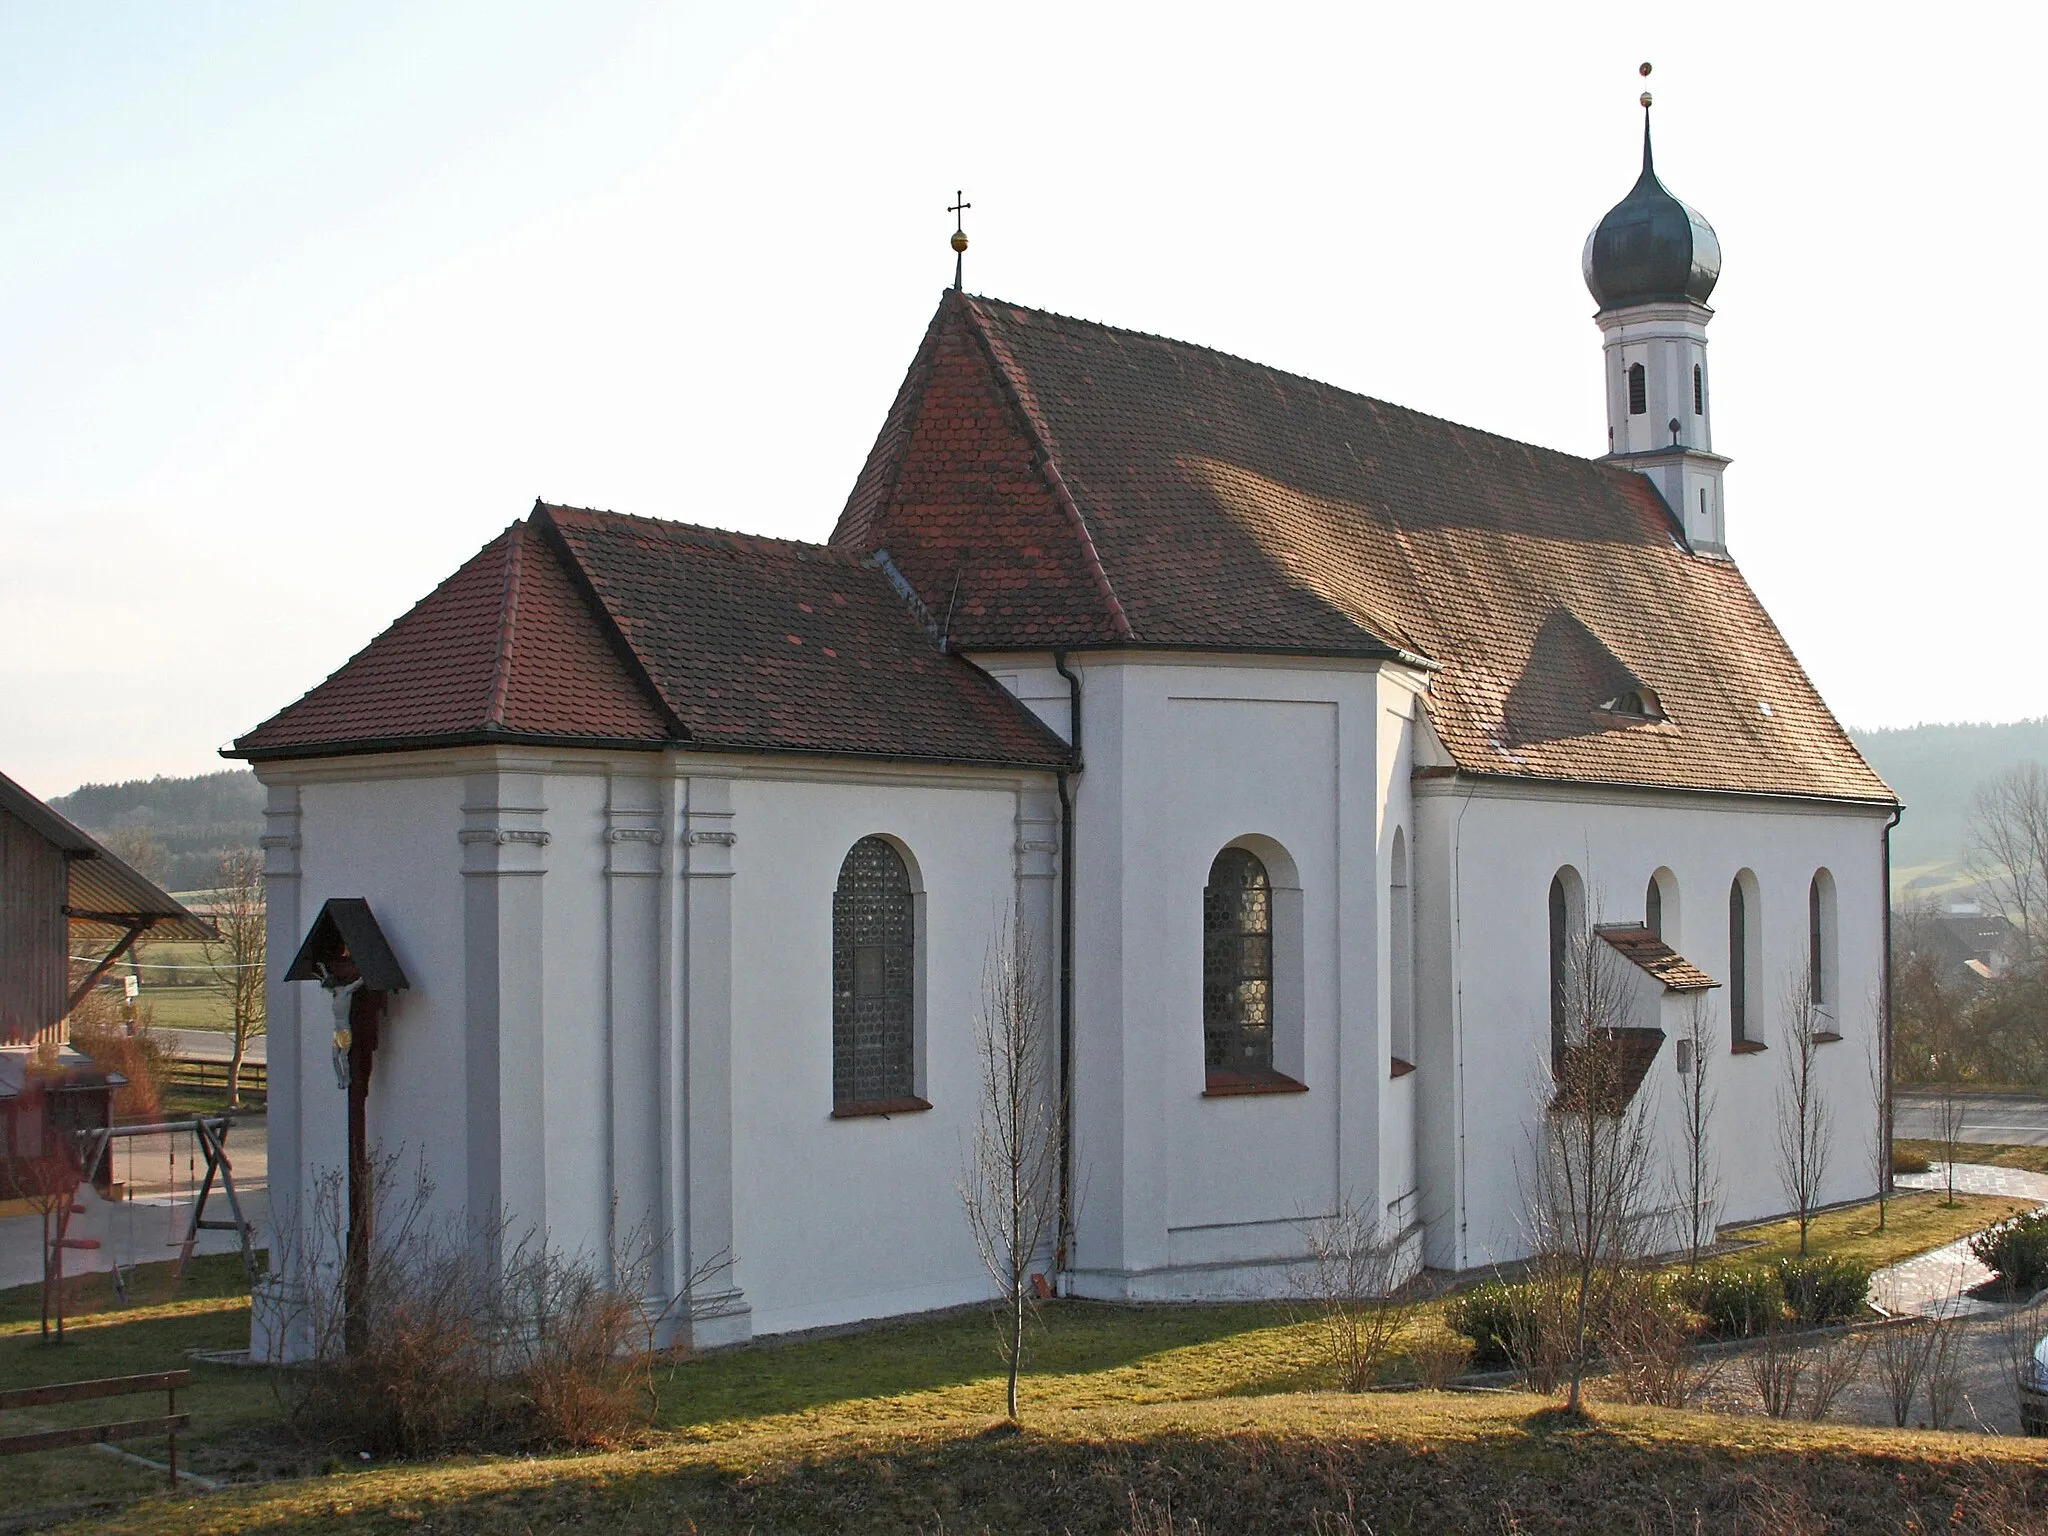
(959, 210)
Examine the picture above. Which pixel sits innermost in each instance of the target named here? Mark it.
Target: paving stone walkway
(1935, 1282)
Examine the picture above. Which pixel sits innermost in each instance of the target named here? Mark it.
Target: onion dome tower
(1651, 265)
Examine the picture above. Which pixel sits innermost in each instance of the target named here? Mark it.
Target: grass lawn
(1137, 1419)
(2033, 1159)
(189, 1007)
(1915, 1222)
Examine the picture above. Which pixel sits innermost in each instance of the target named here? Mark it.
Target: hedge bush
(1824, 1288)
(1736, 1300)
(1493, 1316)
(2016, 1250)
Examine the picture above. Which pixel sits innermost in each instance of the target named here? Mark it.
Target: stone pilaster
(635, 850)
(708, 1267)
(504, 855)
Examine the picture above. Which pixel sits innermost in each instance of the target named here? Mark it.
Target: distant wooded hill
(1934, 769)
(189, 820)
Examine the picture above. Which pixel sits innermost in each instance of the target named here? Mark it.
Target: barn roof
(1047, 481)
(102, 891)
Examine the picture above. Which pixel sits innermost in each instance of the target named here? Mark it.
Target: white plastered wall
(620, 1009)
(1181, 1194)
(1487, 853)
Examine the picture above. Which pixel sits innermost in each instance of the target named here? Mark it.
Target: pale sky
(300, 305)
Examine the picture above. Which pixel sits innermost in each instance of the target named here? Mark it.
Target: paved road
(2001, 1121)
(213, 1046)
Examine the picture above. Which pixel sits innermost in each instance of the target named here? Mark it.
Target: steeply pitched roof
(768, 644)
(506, 648)
(593, 628)
(1648, 952)
(1047, 481)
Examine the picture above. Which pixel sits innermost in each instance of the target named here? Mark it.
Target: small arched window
(1237, 964)
(1820, 940)
(1741, 960)
(1638, 390)
(1660, 905)
(1565, 919)
(1699, 391)
(1401, 956)
(874, 964)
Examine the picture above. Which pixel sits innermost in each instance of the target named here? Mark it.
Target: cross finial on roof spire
(960, 206)
(1644, 71)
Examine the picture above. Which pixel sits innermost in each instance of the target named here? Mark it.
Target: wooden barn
(61, 894)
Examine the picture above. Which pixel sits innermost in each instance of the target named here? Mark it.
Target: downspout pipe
(1884, 1043)
(1063, 1254)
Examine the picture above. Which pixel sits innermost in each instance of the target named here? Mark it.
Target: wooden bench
(168, 1424)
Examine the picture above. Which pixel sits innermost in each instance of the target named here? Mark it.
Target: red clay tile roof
(599, 629)
(1048, 481)
(507, 648)
(1637, 944)
(767, 644)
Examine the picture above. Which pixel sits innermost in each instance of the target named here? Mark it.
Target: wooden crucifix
(347, 953)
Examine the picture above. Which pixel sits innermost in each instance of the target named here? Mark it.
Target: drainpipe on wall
(1884, 1043)
(1063, 1251)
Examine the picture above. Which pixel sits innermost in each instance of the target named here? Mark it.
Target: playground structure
(93, 1148)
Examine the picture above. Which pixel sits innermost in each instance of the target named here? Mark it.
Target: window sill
(1826, 1036)
(1401, 1068)
(1747, 1048)
(865, 1108)
(1230, 1085)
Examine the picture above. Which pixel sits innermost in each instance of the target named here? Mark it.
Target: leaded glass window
(874, 1047)
(1237, 964)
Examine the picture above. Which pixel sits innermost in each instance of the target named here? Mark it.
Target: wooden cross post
(365, 1012)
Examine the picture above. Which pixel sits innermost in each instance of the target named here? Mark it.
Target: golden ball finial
(1644, 70)
(1646, 98)
(959, 241)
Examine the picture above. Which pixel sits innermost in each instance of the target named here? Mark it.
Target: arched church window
(1699, 391)
(1237, 964)
(1566, 909)
(874, 962)
(1820, 940)
(1742, 967)
(1638, 390)
(1653, 908)
(1401, 956)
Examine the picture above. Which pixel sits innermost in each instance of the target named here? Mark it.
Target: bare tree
(1354, 1269)
(1586, 1195)
(1011, 1186)
(1877, 1067)
(237, 958)
(1697, 1180)
(1805, 1119)
(2008, 822)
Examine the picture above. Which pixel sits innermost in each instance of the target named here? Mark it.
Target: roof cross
(959, 207)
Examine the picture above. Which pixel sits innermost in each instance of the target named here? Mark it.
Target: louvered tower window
(1237, 964)
(1699, 391)
(874, 1046)
(1638, 390)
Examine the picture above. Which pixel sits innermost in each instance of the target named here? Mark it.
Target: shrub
(2016, 1250)
(1825, 1288)
(1497, 1317)
(1737, 1300)
(1907, 1161)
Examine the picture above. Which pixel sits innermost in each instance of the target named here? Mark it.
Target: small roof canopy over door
(346, 930)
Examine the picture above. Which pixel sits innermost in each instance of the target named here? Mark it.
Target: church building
(1301, 731)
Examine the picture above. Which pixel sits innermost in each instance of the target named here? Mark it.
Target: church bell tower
(1651, 264)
